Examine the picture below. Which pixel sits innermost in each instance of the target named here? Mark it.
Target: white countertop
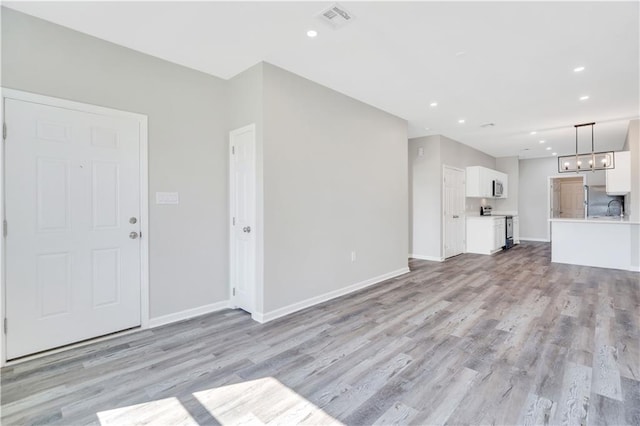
(493, 216)
(601, 219)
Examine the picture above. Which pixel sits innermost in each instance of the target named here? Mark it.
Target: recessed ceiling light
(533, 133)
(312, 33)
(433, 104)
(461, 121)
(542, 141)
(578, 69)
(548, 148)
(584, 98)
(554, 153)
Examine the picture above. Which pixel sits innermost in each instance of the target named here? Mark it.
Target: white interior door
(454, 217)
(72, 203)
(243, 217)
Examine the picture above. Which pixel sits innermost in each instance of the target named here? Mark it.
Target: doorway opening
(566, 199)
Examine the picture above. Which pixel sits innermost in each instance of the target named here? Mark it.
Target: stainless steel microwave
(497, 188)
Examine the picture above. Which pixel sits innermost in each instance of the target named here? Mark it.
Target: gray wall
(532, 203)
(510, 166)
(335, 176)
(332, 171)
(459, 155)
(462, 156)
(426, 188)
(632, 200)
(187, 144)
(632, 144)
(425, 199)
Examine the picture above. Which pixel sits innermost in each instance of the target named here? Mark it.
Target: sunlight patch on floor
(167, 411)
(261, 401)
(253, 402)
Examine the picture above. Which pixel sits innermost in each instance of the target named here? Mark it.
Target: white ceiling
(516, 70)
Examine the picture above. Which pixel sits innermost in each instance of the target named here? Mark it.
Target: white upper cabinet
(618, 180)
(480, 182)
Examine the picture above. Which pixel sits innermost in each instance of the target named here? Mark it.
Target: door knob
(133, 235)
(455, 216)
(246, 229)
(133, 220)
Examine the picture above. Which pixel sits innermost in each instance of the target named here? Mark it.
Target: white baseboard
(188, 313)
(270, 316)
(423, 257)
(539, 240)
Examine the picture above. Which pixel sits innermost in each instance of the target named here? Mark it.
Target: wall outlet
(353, 256)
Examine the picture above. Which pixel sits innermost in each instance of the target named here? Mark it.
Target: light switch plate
(167, 198)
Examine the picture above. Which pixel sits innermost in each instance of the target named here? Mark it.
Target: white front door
(72, 204)
(243, 217)
(454, 218)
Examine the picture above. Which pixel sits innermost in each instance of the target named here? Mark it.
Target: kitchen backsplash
(601, 204)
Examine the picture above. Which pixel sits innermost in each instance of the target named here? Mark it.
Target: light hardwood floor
(507, 339)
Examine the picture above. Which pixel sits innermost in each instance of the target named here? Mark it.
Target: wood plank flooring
(507, 339)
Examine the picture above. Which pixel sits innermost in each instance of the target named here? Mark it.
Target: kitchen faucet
(609, 207)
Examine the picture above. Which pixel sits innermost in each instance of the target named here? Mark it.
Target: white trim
(424, 257)
(232, 240)
(144, 195)
(550, 194)
(155, 322)
(270, 316)
(443, 227)
(188, 313)
(144, 224)
(67, 104)
(541, 240)
(72, 346)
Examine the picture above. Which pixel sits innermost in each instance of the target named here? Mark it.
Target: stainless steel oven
(508, 241)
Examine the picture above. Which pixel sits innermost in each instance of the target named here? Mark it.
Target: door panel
(454, 218)
(571, 200)
(243, 213)
(72, 183)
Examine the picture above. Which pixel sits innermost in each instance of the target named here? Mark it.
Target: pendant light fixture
(590, 161)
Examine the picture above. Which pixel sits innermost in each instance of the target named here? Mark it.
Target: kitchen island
(606, 242)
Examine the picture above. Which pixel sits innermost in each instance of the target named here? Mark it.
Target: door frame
(550, 194)
(464, 211)
(232, 242)
(144, 202)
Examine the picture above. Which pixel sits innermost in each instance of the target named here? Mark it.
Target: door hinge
(4, 130)
(233, 150)
(4, 228)
(234, 291)
(5, 326)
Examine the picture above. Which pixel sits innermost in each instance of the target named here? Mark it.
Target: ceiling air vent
(336, 16)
